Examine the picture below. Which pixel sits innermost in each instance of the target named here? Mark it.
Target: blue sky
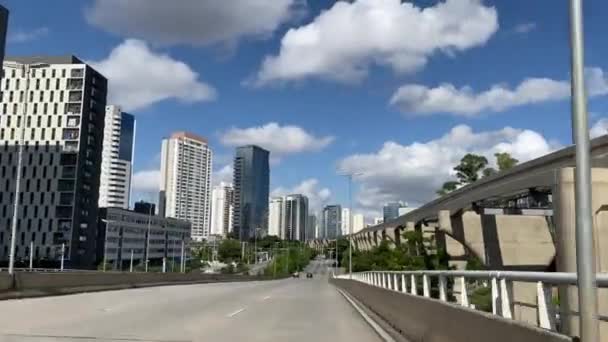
(370, 86)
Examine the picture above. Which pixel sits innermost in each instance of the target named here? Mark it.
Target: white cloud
(464, 101)
(192, 22)
(525, 27)
(599, 128)
(223, 175)
(23, 36)
(342, 42)
(146, 181)
(279, 140)
(317, 196)
(139, 77)
(412, 173)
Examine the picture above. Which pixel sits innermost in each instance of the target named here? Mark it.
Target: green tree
(469, 168)
(488, 171)
(229, 250)
(505, 161)
(447, 187)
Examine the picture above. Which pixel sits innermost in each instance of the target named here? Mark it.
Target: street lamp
(350, 176)
(25, 70)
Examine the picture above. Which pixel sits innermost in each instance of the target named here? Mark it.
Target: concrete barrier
(6, 282)
(423, 319)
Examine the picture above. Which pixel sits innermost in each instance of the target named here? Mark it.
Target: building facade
(345, 226)
(122, 232)
(185, 187)
(358, 222)
(332, 221)
(295, 216)
(251, 187)
(275, 217)
(3, 28)
(56, 107)
(221, 209)
(390, 211)
(117, 158)
(311, 227)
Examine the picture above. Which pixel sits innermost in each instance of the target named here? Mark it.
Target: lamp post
(105, 242)
(350, 220)
(25, 70)
(148, 240)
(585, 258)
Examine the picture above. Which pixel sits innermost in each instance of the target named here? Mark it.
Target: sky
(395, 92)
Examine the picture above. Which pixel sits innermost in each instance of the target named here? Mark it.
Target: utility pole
(350, 221)
(148, 239)
(31, 254)
(131, 263)
(585, 256)
(62, 254)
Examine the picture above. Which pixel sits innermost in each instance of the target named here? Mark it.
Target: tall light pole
(350, 221)
(585, 258)
(25, 69)
(148, 239)
(105, 242)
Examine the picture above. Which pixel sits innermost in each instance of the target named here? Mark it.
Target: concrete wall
(429, 320)
(6, 282)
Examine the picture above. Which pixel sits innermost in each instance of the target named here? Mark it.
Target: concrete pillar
(565, 227)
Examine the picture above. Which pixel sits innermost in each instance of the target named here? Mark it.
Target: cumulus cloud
(342, 42)
(146, 181)
(599, 128)
(223, 175)
(525, 27)
(23, 36)
(464, 101)
(139, 77)
(412, 173)
(317, 195)
(279, 140)
(192, 22)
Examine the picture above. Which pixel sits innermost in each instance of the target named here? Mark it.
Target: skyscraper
(221, 209)
(391, 210)
(275, 217)
(59, 102)
(311, 227)
(251, 183)
(332, 221)
(117, 158)
(3, 27)
(345, 225)
(295, 216)
(358, 222)
(185, 186)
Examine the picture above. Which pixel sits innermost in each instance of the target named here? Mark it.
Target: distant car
(308, 275)
(296, 275)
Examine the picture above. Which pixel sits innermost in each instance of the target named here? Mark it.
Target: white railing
(500, 282)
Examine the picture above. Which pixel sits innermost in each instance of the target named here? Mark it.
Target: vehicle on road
(308, 275)
(295, 275)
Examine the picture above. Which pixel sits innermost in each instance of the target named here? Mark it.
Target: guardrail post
(426, 288)
(443, 295)
(395, 282)
(546, 312)
(388, 281)
(383, 280)
(464, 296)
(495, 297)
(403, 284)
(506, 298)
(413, 288)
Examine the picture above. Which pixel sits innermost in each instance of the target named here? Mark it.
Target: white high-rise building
(117, 158)
(345, 221)
(275, 217)
(378, 220)
(358, 222)
(185, 186)
(221, 209)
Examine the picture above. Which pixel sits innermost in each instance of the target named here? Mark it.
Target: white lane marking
(265, 298)
(236, 312)
(379, 330)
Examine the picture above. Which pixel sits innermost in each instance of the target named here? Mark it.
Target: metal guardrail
(501, 283)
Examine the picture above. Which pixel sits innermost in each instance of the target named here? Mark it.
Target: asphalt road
(283, 310)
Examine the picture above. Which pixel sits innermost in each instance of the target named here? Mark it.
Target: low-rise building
(123, 232)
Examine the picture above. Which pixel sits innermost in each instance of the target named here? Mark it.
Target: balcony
(73, 108)
(75, 96)
(70, 146)
(75, 84)
(70, 134)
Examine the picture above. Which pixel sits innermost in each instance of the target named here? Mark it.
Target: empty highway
(284, 310)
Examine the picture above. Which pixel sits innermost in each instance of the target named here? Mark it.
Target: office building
(251, 183)
(345, 221)
(185, 181)
(3, 28)
(275, 217)
(295, 215)
(63, 132)
(332, 221)
(311, 227)
(122, 232)
(378, 220)
(358, 222)
(221, 209)
(117, 158)
(391, 210)
(145, 208)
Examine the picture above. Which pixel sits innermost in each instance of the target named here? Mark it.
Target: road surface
(283, 310)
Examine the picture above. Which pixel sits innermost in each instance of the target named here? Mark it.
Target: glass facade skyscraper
(332, 221)
(391, 210)
(251, 186)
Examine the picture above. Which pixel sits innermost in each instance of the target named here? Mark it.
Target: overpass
(520, 219)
